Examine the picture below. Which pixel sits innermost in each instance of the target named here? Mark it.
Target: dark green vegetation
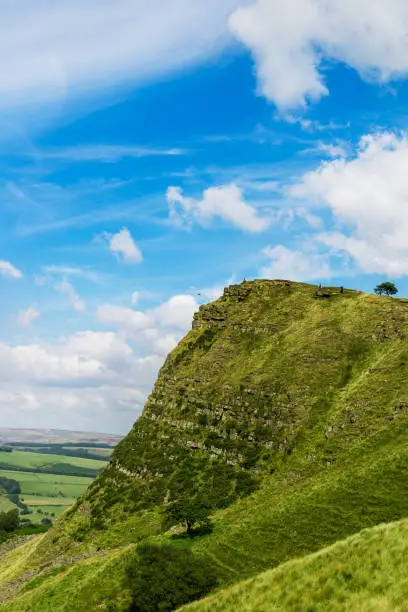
(9, 485)
(12, 526)
(282, 417)
(163, 578)
(9, 521)
(190, 512)
(386, 288)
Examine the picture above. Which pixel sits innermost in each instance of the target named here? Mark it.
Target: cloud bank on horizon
(151, 153)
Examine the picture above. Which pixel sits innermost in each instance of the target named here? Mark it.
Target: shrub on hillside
(9, 521)
(10, 485)
(190, 513)
(163, 578)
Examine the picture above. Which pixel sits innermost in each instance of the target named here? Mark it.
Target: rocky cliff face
(270, 369)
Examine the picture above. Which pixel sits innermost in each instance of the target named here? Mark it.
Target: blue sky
(150, 155)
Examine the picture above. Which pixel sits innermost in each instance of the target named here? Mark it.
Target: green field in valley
(39, 500)
(106, 452)
(5, 504)
(46, 495)
(46, 462)
(49, 482)
(49, 485)
(38, 513)
(42, 506)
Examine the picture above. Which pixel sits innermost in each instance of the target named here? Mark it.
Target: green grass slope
(89, 584)
(366, 572)
(288, 411)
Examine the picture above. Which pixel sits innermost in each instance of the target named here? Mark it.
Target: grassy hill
(366, 572)
(285, 408)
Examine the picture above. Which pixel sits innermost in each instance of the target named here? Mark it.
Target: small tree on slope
(188, 512)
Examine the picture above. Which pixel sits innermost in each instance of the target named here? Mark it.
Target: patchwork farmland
(43, 479)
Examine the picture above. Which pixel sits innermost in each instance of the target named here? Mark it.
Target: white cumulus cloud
(295, 264)
(124, 247)
(177, 312)
(159, 328)
(94, 379)
(123, 317)
(290, 39)
(368, 196)
(225, 202)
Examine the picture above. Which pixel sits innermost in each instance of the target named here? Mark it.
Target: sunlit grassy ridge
(307, 395)
(366, 572)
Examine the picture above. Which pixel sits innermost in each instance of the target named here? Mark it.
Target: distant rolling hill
(55, 436)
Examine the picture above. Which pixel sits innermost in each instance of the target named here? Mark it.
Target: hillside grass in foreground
(92, 584)
(366, 572)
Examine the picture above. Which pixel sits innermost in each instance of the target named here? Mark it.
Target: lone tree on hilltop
(386, 289)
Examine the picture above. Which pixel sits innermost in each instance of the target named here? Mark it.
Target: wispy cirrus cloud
(71, 271)
(104, 153)
(7, 269)
(59, 50)
(75, 300)
(28, 316)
